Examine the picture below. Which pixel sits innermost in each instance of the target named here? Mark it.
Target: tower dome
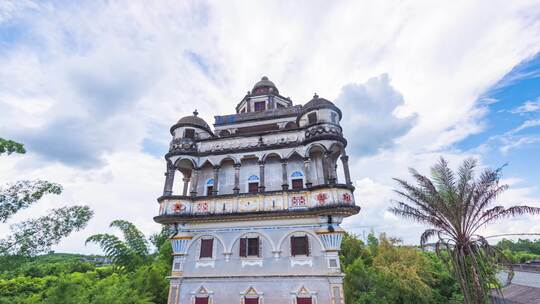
(192, 120)
(319, 103)
(264, 86)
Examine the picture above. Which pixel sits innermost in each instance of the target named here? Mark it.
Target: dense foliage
(77, 279)
(456, 206)
(37, 235)
(520, 251)
(381, 272)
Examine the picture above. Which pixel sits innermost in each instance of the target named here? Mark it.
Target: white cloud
(370, 115)
(528, 107)
(87, 83)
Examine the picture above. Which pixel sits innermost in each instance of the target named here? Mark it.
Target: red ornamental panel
(202, 207)
(321, 198)
(298, 201)
(178, 207)
(347, 197)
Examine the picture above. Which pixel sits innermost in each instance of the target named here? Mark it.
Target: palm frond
(134, 238)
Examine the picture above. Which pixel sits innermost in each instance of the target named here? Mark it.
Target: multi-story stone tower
(256, 217)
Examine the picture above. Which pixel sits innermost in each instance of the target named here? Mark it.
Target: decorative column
(236, 188)
(261, 176)
(169, 179)
(307, 169)
(285, 181)
(195, 180)
(186, 184)
(215, 190)
(180, 244)
(345, 162)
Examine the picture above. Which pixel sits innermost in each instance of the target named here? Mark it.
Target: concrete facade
(255, 205)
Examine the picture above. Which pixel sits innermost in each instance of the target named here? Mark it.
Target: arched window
(202, 296)
(312, 118)
(251, 296)
(297, 180)
(253, 184)
(209, 186)
(189, 133)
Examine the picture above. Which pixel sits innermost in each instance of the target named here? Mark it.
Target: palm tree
(128, 254)
(456, 206)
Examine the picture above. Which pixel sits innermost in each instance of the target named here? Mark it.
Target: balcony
(318, 200)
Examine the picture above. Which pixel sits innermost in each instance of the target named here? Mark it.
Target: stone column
(215, 190)
(261, 176)
(186, 184)
(345, 162)
(169, 179)
(307, 169)
(236, 188)
(194, 181)
(285, 181)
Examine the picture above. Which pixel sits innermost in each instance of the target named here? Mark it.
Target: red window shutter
(293, 246)
(201, 300)
(253, 187)
(243, 247)
(207, 248)
(255, 246)
(251, 301)
(303, 300)
(297, 183)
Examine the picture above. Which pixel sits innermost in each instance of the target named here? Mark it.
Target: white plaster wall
(273, 174)
(226, 178)
(316, 169)
(274, 290)
(205, 173)
(249, 167)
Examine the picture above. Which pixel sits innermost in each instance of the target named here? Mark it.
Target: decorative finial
(195, 112)
(264, 78)
(315, 96)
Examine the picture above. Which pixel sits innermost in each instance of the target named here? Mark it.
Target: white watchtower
(257, 215)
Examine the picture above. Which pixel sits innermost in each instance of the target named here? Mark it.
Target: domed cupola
(319, 110)
(264, 86)
(191, 127)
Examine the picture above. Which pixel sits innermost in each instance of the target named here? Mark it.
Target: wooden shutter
(303, 301)
(243, 247)
(201, 300)
(293, 246)
(297, 183)
(207, 248)
(253, 187)
(251, 301)
(306, 245)
(257, 251)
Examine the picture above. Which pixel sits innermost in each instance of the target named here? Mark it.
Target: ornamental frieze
(322, 130)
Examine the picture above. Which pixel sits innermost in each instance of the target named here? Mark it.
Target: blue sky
(92, 88)
(506, 103)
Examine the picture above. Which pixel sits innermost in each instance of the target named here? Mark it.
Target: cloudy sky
(92, 87)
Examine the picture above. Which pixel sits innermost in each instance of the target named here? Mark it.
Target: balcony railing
(306, 199)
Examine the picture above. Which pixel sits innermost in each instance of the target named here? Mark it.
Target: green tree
(36, 235)
(456, 206)
(127, 254)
